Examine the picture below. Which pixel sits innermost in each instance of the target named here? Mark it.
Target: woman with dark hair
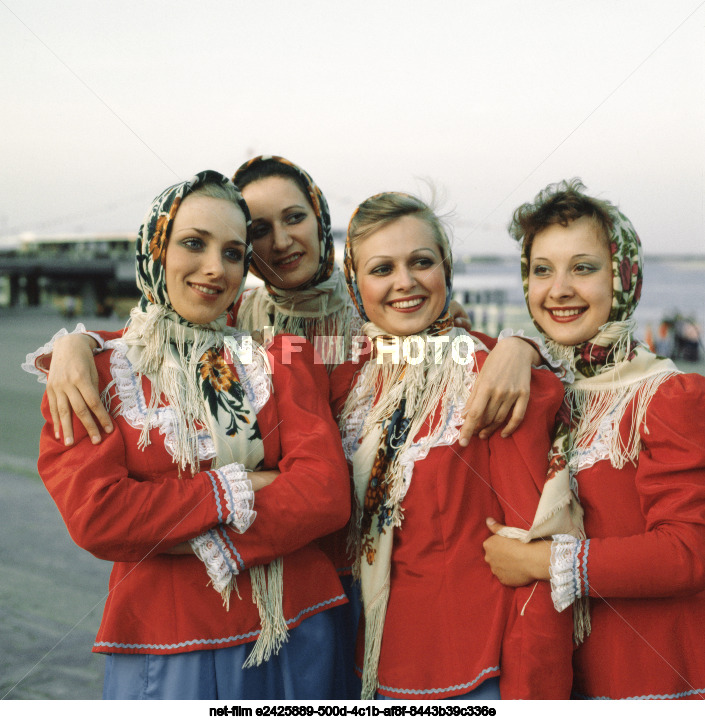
(634, 442)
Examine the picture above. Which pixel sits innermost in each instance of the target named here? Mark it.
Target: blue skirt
(313, 664)
(347, 620)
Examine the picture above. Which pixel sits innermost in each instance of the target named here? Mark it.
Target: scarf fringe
(582, 624)
(169, 354)
(430, 391)
(594, 407)
(267, 594)
(323, 314)
(375, 613)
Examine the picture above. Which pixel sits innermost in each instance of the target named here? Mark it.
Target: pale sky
(105, 104)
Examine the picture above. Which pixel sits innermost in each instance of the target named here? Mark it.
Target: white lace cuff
(34, 362)
(234, 489)
(565, 579)
(214, 555)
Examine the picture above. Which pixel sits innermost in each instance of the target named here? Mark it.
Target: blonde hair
(380, 210)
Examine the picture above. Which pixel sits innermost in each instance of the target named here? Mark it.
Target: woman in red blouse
(636, 454)
(211, 490)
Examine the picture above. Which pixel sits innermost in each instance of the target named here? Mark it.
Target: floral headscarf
(319, 309)
(183, 360)
(320, 208)
(351, 278)
(614, 342)
(156, 229)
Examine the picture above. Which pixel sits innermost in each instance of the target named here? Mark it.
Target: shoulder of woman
(680, 393)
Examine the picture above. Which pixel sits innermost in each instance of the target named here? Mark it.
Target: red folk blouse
(129, 506)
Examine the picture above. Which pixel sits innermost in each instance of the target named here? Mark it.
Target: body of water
(671, 285)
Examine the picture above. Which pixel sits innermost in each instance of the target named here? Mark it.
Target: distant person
(634, 441)
(210, 491)
(70, 306)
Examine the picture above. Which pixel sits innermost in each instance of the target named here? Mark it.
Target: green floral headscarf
(614, 342)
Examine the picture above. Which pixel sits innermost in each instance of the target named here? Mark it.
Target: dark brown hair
(559, 204)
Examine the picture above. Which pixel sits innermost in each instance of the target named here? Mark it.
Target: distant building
(90, 269)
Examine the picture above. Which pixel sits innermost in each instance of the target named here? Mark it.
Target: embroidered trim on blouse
(584, 577)
(458, 687)
(661, 696)
(239, 496)
(218, 564)
(228, 639)
(254, 377)
(353, 424)
(420, 449)
(598, 449)
(133, 405)
(565, 578)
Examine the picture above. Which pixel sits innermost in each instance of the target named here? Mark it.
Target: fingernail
(489, 521)
(56, 435)
(95, 440)
(68, 441)
(463, 442)
(108, 428)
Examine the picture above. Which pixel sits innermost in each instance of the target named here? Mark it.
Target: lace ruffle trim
(254, 377)
(133, 405)
(239, 496)
(597, 450)
(30, 364)
(418, 451)
(565, 580)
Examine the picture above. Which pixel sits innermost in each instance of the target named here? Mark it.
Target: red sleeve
(114, 515)
(311, 497)
(521, 460)
(342, 379)
(668, 558)
(107, 335)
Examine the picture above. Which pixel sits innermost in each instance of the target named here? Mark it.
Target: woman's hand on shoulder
(72, 385)
(501, 391)
(515, 563)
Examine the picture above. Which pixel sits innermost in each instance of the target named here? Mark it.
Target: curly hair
(560, 204)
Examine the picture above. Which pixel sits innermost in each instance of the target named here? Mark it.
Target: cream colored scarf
(432, 388)
(323, 314)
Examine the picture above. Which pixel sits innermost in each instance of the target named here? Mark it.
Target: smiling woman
(437, 624)
(570, 281)
(205, 257)
(633, 439)
(207, 482)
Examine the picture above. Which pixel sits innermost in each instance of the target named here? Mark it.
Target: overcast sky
(105, 104)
